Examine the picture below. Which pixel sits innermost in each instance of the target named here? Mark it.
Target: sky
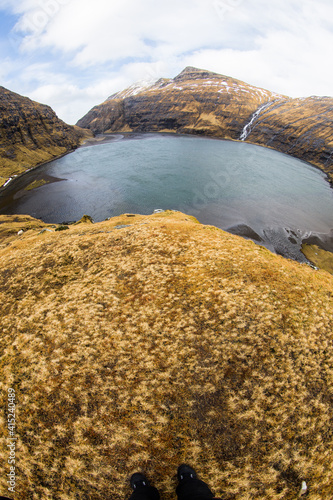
(73, 54)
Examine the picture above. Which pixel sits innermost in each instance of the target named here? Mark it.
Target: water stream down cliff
(248, 127)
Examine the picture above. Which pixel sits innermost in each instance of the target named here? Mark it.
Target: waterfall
(248, 127)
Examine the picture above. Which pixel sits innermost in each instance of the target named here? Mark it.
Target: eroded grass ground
(163, 342)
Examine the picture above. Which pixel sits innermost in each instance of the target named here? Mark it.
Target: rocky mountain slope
(30, 134)
(299, 127)
(196, 101)
(202, 102)
(145, 341)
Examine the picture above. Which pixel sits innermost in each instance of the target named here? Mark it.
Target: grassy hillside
(300, 128)
(31, 134)
(164, 341)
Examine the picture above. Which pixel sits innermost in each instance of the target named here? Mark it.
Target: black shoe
(138, 480)
(186, 472)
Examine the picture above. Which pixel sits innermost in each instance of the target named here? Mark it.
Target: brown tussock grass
(163, 342)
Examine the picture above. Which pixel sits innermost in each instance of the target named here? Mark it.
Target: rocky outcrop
(30, 134)
(202, 102)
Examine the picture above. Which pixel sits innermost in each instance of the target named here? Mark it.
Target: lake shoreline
(261, 235)
(114, 137)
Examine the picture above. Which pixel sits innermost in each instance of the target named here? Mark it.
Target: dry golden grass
(10, 225)
(158, 343)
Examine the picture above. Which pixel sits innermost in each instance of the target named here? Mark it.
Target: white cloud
(67, 99)
(75, 53)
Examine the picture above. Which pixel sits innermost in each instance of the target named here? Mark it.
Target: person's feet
(138, 480)
(186, 472)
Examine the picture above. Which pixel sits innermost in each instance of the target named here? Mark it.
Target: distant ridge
(30, 134)
(202, 102)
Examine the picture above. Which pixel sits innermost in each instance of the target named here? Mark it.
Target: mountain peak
(190, 72)
(203, 102)
(191, 69)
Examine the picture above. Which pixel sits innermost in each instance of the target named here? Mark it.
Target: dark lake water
(246, 189)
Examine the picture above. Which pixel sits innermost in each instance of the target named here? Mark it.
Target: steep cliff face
(201, 102)
(30, 133)
(299, 127)
(196, 101)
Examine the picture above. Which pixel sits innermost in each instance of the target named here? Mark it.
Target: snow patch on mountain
(135, 89)
(224, 86)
